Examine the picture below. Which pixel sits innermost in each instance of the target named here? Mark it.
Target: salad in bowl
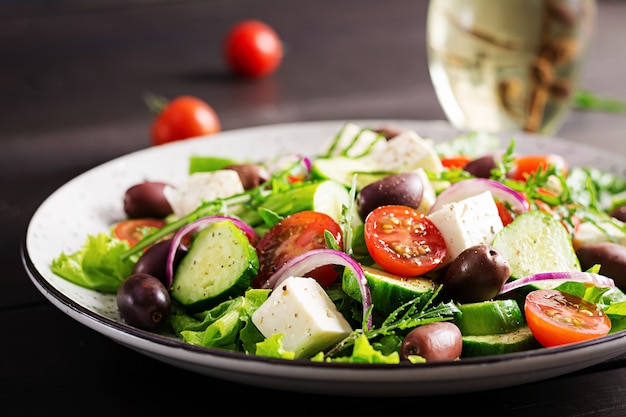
(384, 247)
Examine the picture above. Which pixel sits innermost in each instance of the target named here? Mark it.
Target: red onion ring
(195, 226)
(474, 186)
(315, 258)
(597, 279)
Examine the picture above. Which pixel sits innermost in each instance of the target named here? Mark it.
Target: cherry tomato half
(458, 161)
(403, 241)
(506, 215)
(253, 49)
(529, 164)
(292, 236)
(183, 118)
(133, 230)
(556, 318)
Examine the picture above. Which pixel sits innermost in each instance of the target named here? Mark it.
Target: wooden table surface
(72, 80)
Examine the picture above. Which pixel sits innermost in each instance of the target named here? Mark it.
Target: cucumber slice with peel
(342, 169)
(221, 263)
(489, 317)
(536, 242)
(497, 344)
(388, 291)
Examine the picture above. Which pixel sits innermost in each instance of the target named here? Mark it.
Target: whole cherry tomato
(253, 49)
(183, 118)
(292, 236)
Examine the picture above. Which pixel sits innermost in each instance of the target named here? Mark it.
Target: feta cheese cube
(203, 186)
(301, 310)
(466, 223)
(408, 151)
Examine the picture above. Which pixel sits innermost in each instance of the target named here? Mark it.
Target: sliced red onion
(597, 279)
(308, 261)
(194, 227)
(474, 186)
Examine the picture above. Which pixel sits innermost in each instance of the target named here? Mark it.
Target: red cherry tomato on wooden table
(253, 49)
(183, 118)
(403, 241)
(556, 318)
(293, 236)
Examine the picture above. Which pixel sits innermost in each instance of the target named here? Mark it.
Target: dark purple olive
(147, 199)
(619, 213)
(481, 167)
(388, 132)
(143, 301)
(610, 256)
(251, 175)
(405, 189)
(477, 274)
(153, 261)
(439, 341)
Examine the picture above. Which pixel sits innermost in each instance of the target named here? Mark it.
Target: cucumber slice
(221, 263)
(536, 242)
(388, 291)
(489, 317)
(497, 344)
(342, 169)
(324, 196)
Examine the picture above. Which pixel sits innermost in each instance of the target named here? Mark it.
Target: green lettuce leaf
(226, 326)
(97, 265)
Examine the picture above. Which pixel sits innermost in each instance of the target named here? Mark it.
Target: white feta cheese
(203, 186)
(406, 152)
(300, 309)
(468, 222)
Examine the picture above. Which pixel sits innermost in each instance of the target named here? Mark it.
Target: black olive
(610, 256)
(619, 213)
(481, 167)
(405, 189)
(251, 175)
(143, 301)
(154, 260)
(477, 274)
(439, 341)
(147, 199)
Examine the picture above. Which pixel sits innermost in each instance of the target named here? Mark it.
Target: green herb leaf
(587, 100)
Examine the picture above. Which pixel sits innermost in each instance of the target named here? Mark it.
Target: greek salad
(386, 247)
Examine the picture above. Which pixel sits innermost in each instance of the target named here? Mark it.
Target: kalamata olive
(388, 132)
(153, 261)
(476, 274)
(404, 189)
(439, 341)
(143, 301)
(251, 175)
(481, 167)
(619, 213)
(610, 256)
(147, 199)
